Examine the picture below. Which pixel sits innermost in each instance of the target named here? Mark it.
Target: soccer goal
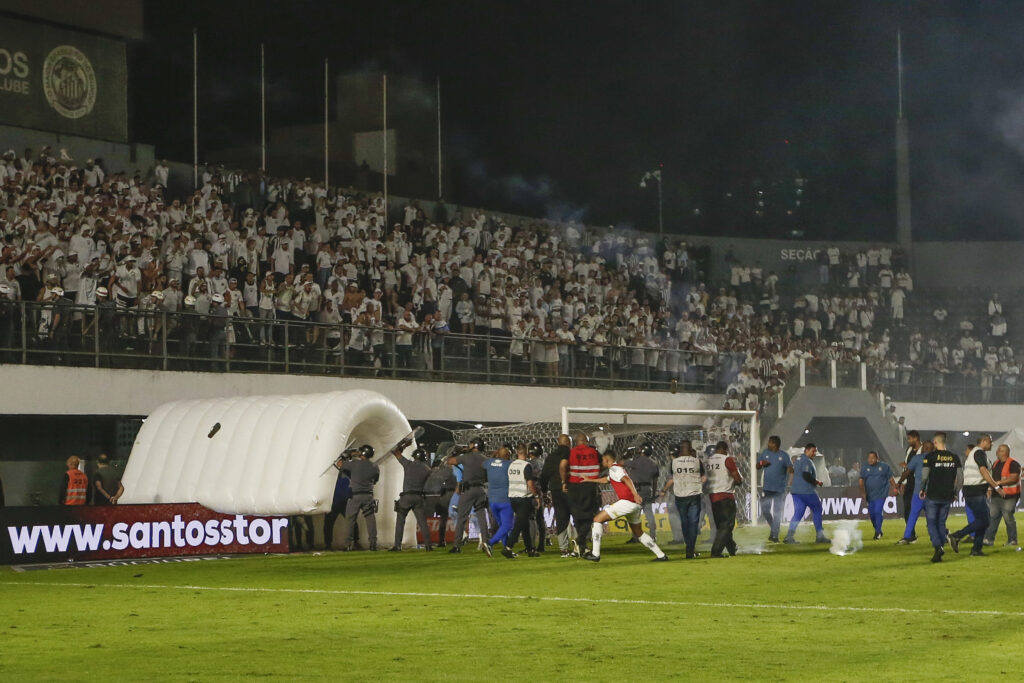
(622, 429)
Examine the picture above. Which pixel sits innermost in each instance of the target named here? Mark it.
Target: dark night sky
(560, 107)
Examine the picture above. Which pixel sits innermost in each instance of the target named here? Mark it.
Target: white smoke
(846, 538)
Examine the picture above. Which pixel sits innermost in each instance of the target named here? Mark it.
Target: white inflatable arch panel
(268, 455)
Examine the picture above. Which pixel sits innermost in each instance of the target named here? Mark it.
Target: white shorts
(624, 508)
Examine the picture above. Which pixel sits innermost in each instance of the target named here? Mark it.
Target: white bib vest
(686, 476)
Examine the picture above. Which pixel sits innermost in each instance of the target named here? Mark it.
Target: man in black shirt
(472, 490)
(913, 448)
(938, 488)
(551, 483)
(977, 479)
(413, 497)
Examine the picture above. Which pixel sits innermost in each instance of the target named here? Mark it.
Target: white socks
(651, 545)
(596, 532)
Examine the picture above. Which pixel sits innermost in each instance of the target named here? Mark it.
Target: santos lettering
(134, 531)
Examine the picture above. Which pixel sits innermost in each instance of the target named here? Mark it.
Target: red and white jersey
(617, 478)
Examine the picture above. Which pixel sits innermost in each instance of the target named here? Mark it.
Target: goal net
(623, 429)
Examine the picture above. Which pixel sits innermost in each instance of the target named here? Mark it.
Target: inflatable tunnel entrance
(265, 455)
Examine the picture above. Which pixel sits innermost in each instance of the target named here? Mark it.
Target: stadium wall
(116, 156)
(954, 417)
(90, 391)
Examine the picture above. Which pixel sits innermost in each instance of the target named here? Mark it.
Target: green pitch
(794, 613)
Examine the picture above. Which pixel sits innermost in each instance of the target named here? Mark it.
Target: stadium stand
(256, 273)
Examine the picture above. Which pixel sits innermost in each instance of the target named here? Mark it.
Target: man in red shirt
(584, 499)
(628, 505)
(723, 475)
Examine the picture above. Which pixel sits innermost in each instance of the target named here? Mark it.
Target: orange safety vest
(1009, 490)
(78, 483)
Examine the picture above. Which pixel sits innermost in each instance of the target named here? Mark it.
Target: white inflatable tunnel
(266, 455)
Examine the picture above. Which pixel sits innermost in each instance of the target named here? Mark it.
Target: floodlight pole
(195, 108)
(327, 155)
(263, 109)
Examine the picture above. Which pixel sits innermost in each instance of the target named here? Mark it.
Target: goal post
(747, 416)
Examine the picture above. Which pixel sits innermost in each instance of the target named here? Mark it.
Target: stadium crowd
(247, 251)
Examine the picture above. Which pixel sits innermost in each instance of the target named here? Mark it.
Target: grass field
(796, 612)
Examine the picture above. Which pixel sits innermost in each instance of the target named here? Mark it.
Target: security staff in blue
(805, 494)
(876, 479)
(776, 468)
(501, 505)
(913, 474)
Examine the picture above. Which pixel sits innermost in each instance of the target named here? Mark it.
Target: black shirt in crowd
(549, 476)
(940, 483)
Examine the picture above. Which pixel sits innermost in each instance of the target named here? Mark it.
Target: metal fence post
(96, 332)
(286, 366)
(163, 338)
(24, 334)
(227, 344)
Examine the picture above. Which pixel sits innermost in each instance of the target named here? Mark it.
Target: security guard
(75, 485)
(535, 455)
(362, 475)
(644, 472)
(687, 484)
(583, 464)
(551, 484)
(413, 496)
(522, 494)
(472, 490)
(439, 488)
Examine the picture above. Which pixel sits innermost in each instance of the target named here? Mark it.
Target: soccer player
(584, 501)
(522, 493)
(912, 477)
(472, 497)
(805, 494)
(501, 506)
(723, 475)
(776, 468)
(977, 479)
(938, 487)
(875, 481)
(687, 481)
(628, 506)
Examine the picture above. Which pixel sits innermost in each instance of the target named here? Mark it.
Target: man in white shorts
(628, 506)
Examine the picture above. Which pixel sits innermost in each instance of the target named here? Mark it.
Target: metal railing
(108, 336)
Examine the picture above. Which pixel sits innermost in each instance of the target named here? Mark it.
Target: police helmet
(646, 449)
(476, 444)
(366, 451)
(535, 449)
(420, 454)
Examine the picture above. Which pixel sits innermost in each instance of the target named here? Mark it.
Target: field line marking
(494, 596)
